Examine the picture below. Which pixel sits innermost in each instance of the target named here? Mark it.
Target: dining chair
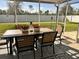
(24, 43)
(22, 26)
(59, 29)
(48, 39)
(4, 42)
(36, 27)
(36, 30)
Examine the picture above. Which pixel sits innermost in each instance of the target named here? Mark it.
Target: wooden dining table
(11, 34)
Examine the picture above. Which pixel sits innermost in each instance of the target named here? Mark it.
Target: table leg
(11, 39)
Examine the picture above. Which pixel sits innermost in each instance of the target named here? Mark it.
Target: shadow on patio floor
(62, 52)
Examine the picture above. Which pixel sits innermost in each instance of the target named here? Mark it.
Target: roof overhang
(44, 1)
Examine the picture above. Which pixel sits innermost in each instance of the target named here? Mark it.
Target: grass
(69, 27)
(6, 26)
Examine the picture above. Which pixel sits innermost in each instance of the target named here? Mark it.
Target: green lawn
(6, 26)
(71, 26)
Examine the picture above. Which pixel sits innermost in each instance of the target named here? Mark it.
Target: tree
(47, 12)
(63, 10)
(4, 12)
(22, 12)
(0, 11)
(31, 8)
(78, 12)
(40, 11)
(12, 6)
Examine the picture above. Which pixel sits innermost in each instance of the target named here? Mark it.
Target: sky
(43, 6)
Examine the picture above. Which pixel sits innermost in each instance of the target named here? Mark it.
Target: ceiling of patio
(74, 1)
(49, 1)
(44, 1)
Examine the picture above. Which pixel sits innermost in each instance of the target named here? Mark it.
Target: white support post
(65, 16)
(77, 34)
(57, 14)
(39, 13)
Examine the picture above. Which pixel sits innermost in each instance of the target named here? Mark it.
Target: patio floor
(68, 50)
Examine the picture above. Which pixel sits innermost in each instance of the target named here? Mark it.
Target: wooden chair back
(49, 37)
(25, 41)
(59, 29)
(36, 27)
(22, 26)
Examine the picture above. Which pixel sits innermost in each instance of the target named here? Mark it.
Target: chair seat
(25, 49)
(47, 44)
(3, 42)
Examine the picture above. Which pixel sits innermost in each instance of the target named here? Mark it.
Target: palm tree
(31, 8)
(63, 10)
(12, 6)
(47, 12)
